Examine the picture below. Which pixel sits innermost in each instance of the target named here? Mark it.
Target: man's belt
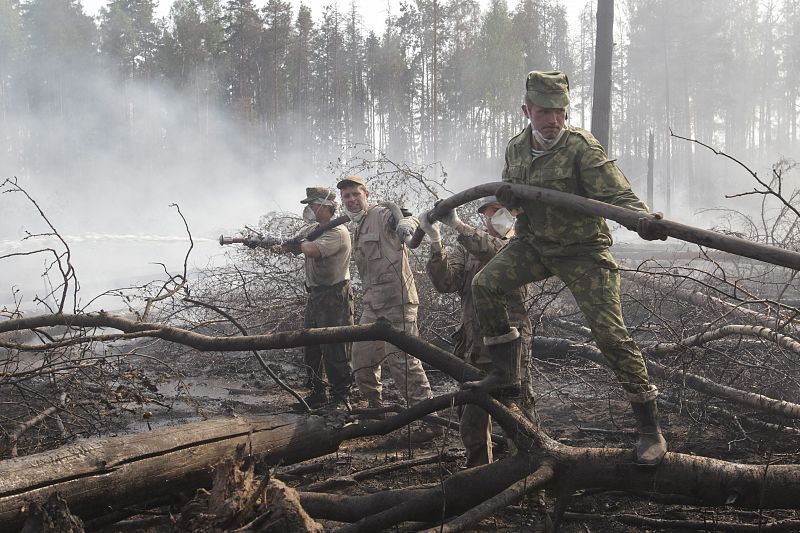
(322, 288)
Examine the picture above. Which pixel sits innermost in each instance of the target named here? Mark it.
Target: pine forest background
(222, 95)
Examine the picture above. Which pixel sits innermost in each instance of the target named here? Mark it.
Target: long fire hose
(626, 217)
(396, 211)
(312, 235)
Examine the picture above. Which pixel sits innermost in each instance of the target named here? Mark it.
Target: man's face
(354, 198)
(547, 120)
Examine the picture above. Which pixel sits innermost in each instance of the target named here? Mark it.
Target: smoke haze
(105, 136)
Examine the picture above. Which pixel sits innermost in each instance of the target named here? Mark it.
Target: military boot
(651, 446)
(376, 403)
(341, 402)
(316, 399)
(506, 353)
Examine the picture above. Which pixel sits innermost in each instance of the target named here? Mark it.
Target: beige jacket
(382, 261)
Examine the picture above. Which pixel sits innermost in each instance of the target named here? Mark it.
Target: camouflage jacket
(577, 164)
(454, 272)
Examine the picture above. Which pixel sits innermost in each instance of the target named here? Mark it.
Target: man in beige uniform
(330, 299)
(389, 292)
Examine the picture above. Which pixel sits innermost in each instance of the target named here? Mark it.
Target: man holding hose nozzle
(552, 240)
(380, 254)
(330, 299)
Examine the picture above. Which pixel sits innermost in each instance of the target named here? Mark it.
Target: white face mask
(308, 215)
(357, 216)
(502, 222)
(540, 139)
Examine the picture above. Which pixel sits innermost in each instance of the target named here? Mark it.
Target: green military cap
(547, 88)
(349, 181)
(319, 195)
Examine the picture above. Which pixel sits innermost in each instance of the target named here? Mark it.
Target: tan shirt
(333, 265)
(382, 262)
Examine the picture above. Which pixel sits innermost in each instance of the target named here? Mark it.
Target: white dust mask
(357, 216)
(308, 215)
(502, 222)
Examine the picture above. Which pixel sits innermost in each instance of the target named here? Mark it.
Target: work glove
(252, 242)
(292, 247)
(507, 198)
(649, 231)
(431, 229)
(451, 219)
(405, 229)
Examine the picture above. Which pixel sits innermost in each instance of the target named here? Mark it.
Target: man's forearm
(310, 249)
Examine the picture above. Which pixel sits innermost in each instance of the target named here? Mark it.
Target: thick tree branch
(380, 330)
(562, 348)
(784, 341)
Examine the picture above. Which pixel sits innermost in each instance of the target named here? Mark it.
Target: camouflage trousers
(326, 306)
(406, 370)
(475, 423)
(593, 280)
(475, 427)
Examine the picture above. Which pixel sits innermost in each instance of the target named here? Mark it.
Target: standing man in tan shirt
(330, 300)
(389, 291)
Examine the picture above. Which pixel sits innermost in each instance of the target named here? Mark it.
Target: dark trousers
(326, 306)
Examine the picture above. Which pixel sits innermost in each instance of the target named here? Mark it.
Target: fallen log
(98, 476)
(706, 480)
(761, 332)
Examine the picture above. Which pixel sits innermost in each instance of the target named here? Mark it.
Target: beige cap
(349, 181)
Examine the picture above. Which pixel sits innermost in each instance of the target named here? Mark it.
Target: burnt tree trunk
(601, 100)
(99, 476)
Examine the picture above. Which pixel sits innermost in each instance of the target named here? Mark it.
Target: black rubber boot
(341, 402)
(651, 446)
(506, 354)
(316, 399)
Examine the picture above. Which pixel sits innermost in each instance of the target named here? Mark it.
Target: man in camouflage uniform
(552, 240)
(389, 291)
(330, 300)
(453, 273)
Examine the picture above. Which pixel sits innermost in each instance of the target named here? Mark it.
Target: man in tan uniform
(453, 272)
(389, 291)
(330, 300)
